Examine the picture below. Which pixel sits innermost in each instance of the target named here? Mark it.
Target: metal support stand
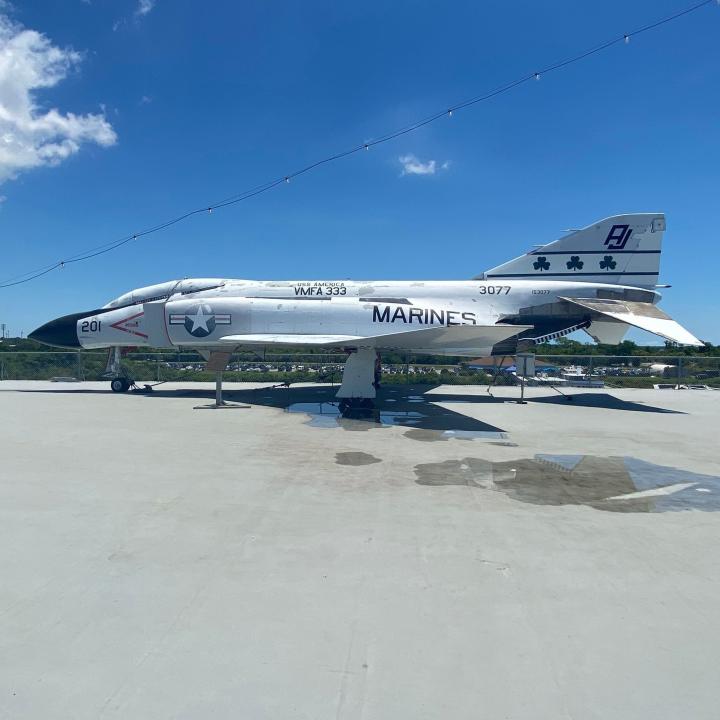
(558, 390)
(220, 404)
(523, 358)
(498, 370)
(529, 359)
(218, 388)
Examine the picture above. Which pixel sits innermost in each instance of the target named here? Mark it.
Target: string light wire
(366, 145)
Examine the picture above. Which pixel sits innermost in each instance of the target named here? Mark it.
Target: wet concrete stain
(404, 406)
(355, 458)
(444, 435)
(614, 484)
(413, 406)
(425, 435)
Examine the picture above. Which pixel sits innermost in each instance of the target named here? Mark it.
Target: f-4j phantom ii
(601, 279)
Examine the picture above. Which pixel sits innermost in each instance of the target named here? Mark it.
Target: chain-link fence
(164, 366)
(49, 365)
(631, 370)
(190, 366)
(569, 370)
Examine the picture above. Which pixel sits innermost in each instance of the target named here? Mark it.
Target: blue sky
(169, 105)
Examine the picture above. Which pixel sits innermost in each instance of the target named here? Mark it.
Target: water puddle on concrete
(329, 415)
(410, 407)
(615, 484)
(443, 435)
(356, 458)
(426, 422)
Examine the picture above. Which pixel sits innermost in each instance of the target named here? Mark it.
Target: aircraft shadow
(395, 404)
(402, 405)
(602, 400)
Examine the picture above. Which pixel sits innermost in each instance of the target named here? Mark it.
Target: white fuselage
(178, 314)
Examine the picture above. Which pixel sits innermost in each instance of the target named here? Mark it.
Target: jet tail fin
(622, 250)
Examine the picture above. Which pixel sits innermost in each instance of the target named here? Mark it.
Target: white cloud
(144, 7)
(30, 136)
(412, 165)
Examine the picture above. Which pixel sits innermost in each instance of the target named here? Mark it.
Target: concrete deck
(467, 557)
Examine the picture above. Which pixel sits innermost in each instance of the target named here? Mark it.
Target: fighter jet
(601, 279)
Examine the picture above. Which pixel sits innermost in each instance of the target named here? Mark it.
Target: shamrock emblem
(575, 263)
(541, 263)
(607, 263)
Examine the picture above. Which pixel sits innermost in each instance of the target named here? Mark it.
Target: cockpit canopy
(162, 291)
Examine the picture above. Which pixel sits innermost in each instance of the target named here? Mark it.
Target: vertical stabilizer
(623, 250)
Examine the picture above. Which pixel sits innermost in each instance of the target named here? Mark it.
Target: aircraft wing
(645, 316)
(455, 338)
(289, 339)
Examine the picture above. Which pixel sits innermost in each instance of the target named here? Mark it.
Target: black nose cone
(61, 332)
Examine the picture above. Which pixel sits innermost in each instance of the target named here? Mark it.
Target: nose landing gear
(119, 381)
(120, 384)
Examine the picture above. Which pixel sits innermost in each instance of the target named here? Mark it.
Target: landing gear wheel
(119, 385)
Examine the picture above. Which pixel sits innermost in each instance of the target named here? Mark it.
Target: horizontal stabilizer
(454, 338)
(645, 316)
